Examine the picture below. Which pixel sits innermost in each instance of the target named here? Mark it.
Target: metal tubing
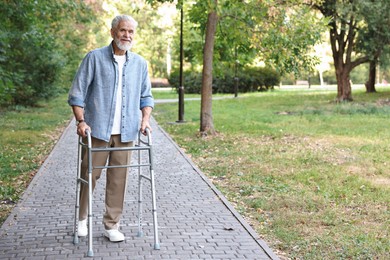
(90, 249)
(119, 166)
(153, 192)
(140, 232)
(154, 211)
(147, 147)
(109, 149)
(77, 205)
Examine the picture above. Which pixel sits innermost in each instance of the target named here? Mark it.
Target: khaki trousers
(116, 179)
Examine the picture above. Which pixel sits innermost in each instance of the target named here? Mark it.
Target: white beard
(124, 47)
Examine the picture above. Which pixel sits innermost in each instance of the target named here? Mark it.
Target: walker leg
(154, 204)
(77, 204)
(90, 250)
(154, 211)
(140, 232)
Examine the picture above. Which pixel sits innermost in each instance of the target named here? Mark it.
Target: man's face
(123, 35)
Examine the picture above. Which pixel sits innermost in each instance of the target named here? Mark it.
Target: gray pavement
(195, 220)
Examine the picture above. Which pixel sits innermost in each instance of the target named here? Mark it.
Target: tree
(256, 30)
(342, 39)
(206, 113)
(34, 54)
(285, 34)
(374, 40)
(350, 21)
(206, 125)
(155, 31)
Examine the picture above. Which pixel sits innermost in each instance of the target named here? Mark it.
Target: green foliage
(192, 81)
(153, 39)
(373, 34)
(34, 48)
(258, 79)
(155, 32)
(358, 34)
(286, 43)
(232, 40)
(250, 79)
(7, 88)
(248, 31)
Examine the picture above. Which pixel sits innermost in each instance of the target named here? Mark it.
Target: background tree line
(281, 33)
(42, 42)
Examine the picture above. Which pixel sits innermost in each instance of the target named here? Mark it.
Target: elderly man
(110, 92)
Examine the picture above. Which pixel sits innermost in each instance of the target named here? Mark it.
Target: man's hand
(146, 111)
(145, 124)
(82, 128)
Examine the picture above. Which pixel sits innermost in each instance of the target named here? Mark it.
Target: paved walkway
(195, 220)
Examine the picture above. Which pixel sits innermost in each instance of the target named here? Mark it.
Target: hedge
(249, 80)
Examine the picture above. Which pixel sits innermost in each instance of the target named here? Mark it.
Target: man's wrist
(79, 121)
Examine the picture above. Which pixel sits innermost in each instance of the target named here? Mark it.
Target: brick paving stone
(195, 220)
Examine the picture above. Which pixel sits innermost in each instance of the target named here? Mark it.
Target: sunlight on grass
(27, 136)
(310, 175)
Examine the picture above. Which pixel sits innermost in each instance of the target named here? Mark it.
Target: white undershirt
(116, 128)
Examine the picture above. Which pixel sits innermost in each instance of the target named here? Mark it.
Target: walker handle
(148, 135)
(88, 132)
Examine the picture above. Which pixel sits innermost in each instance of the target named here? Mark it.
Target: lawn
(27, 135)
(310, 175)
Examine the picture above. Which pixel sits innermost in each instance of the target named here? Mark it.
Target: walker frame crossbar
(141, 145)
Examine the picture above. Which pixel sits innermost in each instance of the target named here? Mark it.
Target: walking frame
(141, 145)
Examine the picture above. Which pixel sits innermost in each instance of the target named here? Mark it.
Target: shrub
(33, 52)
(192, 81)
(259, 79)
(249, 80)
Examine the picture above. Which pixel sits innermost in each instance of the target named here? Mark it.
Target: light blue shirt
(95, 86)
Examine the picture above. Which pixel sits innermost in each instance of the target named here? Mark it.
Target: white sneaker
(82, 230)
(114, 235)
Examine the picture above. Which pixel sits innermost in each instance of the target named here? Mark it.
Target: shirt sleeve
(147, 99)
(81, 82)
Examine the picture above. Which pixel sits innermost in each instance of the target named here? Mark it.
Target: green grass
(27, 135)
(169, 93)
(310, 175)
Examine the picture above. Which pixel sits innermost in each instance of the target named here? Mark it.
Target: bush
(7, 87)
(259, 79)
(249, 80)
(192, 81)
(33, 52)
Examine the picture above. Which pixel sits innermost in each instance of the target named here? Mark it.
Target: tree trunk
(342, 34)
(370, 84)
(344, 92)
(206, 115)
(342, 64)
(321, 74)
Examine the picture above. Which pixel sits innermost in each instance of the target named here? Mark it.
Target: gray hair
(123, 17)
